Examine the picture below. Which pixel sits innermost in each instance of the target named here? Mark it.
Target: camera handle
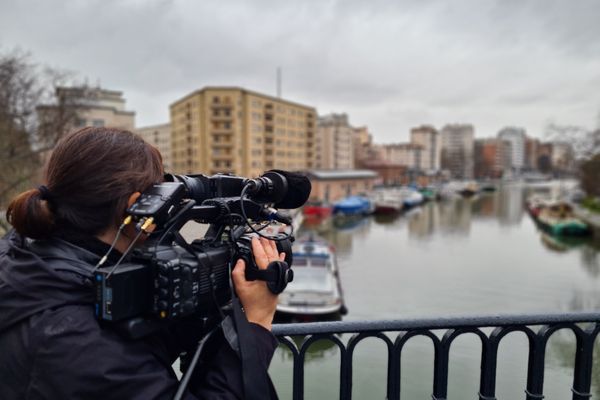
(277, 275)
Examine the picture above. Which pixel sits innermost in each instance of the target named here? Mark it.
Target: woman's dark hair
(89, 178)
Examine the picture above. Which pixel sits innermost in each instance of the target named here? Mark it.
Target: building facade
(532, 149)
(457, 150)
(97, 107)
(334, 147)
(428, 138)
(492, 158)
(160, 137)
(364, 149)
(517, 138)
(333, 185)
(407, 154)
(234, 130)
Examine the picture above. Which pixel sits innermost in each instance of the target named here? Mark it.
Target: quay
(589, 217)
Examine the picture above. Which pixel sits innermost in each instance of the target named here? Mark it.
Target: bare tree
(586, 149)
(585, 143)
(33, 116)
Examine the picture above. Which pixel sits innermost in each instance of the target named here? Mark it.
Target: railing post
(584, 356)
(440, 372)
(489, 357)
(536, 364)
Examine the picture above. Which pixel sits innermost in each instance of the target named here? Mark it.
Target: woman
(51, 345)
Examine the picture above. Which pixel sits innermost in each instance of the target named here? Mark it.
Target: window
(79, 122)
(98, 122)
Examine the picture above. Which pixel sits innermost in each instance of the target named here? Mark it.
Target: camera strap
(255, 378)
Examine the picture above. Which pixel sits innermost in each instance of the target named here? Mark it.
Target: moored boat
(317, 209)
(386, 202)
(410, 197)
(488, 187)
(353, 205)
(534, 205)
(558, 219)
(469, 189)
(316, 288)
(429, 193)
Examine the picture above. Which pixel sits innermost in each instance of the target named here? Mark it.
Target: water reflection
(317, 350)
(481, 255)
(453, 217)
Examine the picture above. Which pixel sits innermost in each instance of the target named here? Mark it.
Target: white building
(160, 137)
(407, 154)
(429, 139)
(517, 138)
(457, 150)
(334, 144)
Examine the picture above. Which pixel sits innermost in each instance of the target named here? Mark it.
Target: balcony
(221, 131)
(222, 144)
(220, 106)
(221, 118)
(222, 157)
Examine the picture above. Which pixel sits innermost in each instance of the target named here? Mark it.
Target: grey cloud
(389, 64)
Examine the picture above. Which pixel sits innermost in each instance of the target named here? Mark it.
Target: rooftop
(245, 91)
(342, 174)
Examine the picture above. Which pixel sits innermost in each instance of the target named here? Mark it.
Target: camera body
(168, 279)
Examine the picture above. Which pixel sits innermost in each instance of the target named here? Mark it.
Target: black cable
(125, 253)
(188, 374)
(246, 220)
(112, 246)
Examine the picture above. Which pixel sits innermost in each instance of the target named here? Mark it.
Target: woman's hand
(258, 301)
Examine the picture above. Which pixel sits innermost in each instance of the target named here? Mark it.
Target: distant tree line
(586, 145)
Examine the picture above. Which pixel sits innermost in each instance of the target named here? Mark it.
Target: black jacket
(52, 347)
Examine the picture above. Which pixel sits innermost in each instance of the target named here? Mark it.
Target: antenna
(279, 82)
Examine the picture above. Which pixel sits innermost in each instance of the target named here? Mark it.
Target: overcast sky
(390, 64)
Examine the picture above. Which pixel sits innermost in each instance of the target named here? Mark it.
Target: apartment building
(492, 158)
(160, 137)
(428, 138)
(234, 130)
(517, 138)
(457, 150)
(406, 154)
(334, 147)
(93, 106)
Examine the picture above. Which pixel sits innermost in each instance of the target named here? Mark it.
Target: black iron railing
(537, 328)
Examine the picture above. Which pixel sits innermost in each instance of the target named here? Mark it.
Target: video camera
(166, 278)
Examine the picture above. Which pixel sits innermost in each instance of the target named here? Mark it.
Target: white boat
(387, 202)
(410, 197)
(316, 288)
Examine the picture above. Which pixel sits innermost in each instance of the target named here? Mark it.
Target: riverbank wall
(589, 217)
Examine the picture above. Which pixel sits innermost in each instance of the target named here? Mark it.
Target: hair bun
(29, 213)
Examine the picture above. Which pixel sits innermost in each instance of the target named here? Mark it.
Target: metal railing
(537, 328)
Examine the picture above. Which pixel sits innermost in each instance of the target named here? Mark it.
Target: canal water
(482, 255)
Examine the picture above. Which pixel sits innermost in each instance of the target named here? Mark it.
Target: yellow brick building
(230, 129)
